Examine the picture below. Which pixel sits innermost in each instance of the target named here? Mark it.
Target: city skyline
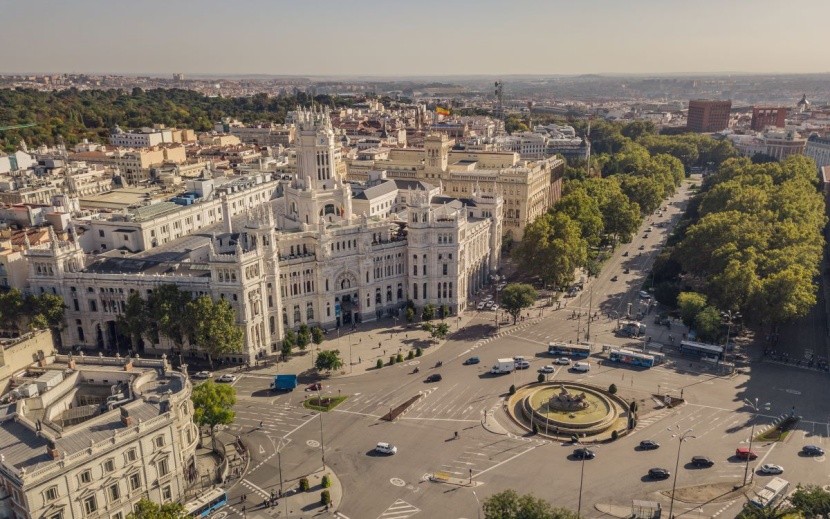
(370, 38)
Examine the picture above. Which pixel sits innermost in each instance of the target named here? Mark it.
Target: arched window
(297, 314)
(400, 291)
(285, 316)
(309, 311)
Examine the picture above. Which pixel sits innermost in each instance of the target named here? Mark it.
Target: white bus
(771, 494)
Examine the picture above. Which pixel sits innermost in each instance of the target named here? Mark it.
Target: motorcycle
(416, 370)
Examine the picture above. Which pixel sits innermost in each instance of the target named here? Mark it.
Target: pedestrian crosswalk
(400, 509)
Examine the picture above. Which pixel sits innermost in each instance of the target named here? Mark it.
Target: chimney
(52, 450)
(126, 419)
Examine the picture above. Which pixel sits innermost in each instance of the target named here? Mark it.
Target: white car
(385, 448)
(649, 229)
(522, 364)
(480, 306)
(227, 377)
(563, 361)
(644, 295)
(488, 297)
(488, 305)
(547, 369)
(202, 375)
(495, 307)
(769, 468)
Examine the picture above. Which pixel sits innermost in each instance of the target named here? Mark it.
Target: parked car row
(204, 375)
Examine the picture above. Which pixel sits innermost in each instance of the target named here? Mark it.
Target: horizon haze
(432, 38)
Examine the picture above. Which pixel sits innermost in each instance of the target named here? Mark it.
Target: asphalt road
(394, 487)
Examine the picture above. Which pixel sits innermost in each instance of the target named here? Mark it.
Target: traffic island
(397, 411)
(312, 494)
(563, 410)
(445, 477)
(324, 403)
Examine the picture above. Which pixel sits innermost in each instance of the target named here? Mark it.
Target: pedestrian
(261, 424)
(243, 509)
(456, 435)
(359, 360)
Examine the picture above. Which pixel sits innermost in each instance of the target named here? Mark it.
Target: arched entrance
(346, 302)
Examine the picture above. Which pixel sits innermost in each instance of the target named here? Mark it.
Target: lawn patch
(323, 403)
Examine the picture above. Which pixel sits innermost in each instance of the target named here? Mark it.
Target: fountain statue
(566, 401)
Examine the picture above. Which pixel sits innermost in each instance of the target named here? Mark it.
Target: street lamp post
(755, 406)
(322, 445)
(729, 317)
(581, 476)
(478, 505)
(680, 439)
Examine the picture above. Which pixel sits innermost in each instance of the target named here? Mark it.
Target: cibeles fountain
(569, 408)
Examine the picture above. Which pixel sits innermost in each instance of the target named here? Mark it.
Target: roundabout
(567, 409)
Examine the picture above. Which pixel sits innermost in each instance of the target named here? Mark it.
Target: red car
(743, 453)
(314, 387)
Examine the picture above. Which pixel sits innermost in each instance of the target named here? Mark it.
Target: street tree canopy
(510, 505)
(213, 404)
(328, 360)
(146, 509)
(552, 248)
(212, 326)
(515, 297)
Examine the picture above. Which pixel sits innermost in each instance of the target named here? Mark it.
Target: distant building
(708, 116)
(818, 149)
(762, 117)
(777, 144)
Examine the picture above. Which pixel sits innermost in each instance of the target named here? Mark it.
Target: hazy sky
(417, 37)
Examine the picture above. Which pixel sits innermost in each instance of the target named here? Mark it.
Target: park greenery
(632, 171)
(515, 297)
(71, 115)
(21, 313)
(752, 243)
(213, 404)
(172, 313)
(508, 504)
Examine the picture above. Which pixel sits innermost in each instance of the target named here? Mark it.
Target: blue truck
(284, 383)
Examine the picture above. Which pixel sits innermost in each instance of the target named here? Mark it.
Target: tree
(708, 323)
(146, 509)
(303, 336)
(133, 321)
(811, 501)
(212, 327)
(515, 297)
(428, 312)
(510, 505)
(290, 338)
(11, 309)
(690, 304)
(445, 311)
(552, 248)
(584, 210)
(317, 335)
(328, 360)
(410, 314)
(213, 404)
(168, 315)
(285, 350)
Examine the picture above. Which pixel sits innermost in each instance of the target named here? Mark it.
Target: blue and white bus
(632, 358)
(579, 351)
(207, 503)
(701, 349)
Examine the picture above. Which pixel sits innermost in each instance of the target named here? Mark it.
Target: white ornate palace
(305, 256)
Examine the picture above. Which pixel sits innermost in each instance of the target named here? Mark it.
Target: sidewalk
(294, 503)
(361, 347)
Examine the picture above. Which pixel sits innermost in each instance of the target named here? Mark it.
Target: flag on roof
(440, 110)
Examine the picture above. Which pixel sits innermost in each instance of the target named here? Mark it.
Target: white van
(582, 367)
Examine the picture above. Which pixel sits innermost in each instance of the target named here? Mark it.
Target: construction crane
(17, 126)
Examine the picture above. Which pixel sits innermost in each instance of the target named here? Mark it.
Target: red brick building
(708, 116)
(768, 116)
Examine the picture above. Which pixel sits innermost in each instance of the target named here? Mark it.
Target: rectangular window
(109, 466)
(51, 494)
(101, 233)
(445, 269)
(93, 306)
(167, 493)
(135, 481)
(117, 515)
(131, 455)
(163, 468)
(114, 492)
(85, 477)
(90, 505)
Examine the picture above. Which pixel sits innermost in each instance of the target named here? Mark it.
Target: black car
(472, 360)
(702, 461)
(435, 377)
(658, 473)
(812, 450)
(626, 271)
(614, 278)
(584, 454)
(641, 247)
(648, 445)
